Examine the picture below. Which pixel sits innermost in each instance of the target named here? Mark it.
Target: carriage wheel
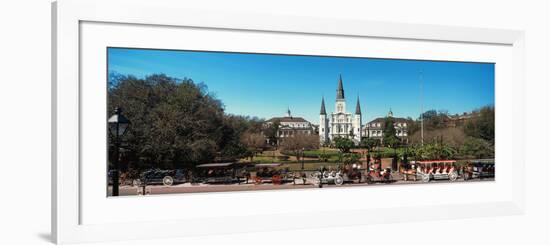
(369, 179)
(276, 179)
(257, 180)
(316, 181)
(339, 180)
(453, 176)
(168, 181)
(426, 178)
(136, 182)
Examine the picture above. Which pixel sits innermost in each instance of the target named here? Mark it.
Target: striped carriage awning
(437, 161)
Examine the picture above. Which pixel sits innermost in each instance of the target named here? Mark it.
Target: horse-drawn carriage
(376, 173)
(270, 172)
(347, 174)
(479, 169)
(319, 178)
(436, 170)
(216, 173)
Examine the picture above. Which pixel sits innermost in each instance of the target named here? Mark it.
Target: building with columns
(289, 126)
(340, 123)
(375, 128)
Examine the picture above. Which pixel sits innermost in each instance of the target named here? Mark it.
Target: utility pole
(421, 109)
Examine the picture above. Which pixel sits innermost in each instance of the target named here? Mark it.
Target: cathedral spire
(288, 112)
(358, 107)
(323, 110)
(340, 90)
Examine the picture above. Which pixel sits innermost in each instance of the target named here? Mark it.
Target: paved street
(198, 188)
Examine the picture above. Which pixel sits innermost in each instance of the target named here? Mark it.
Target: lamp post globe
(118, 125)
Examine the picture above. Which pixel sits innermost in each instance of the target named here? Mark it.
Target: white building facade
(290, 126)
(340, 123)
(375, 128)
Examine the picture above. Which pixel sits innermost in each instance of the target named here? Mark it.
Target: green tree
(298, 143)
(323, 156)
(175, 122)
(350, 158)
(390, 139)
(436, 150)
(435, 119)
(271, 130)
(482, 125)
(477, 148)
(368, 143)
(254, 142)
(343, 144)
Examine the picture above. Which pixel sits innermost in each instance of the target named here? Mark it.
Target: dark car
(479, 169)
(165, 177)
(216, 173)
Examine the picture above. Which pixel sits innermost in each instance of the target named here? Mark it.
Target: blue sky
(265, 85)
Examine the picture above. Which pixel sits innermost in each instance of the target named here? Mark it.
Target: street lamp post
(118, 124)
(303, 149)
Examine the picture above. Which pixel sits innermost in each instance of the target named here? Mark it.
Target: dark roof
(208, 165)
(358, 107)
(395, 119)
(323, 110)
(287, 119)
(340, 90)
(261, 165)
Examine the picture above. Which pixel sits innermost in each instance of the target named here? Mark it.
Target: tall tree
(343, 144)
(271, 130)
(254, 142)
(300, 142)
(482, 125)
(477, 148)
(175, 122)
(390, 139)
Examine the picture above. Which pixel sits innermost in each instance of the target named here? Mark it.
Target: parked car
(159, 176)
(216, 173)
(437, 170)
(479, 169)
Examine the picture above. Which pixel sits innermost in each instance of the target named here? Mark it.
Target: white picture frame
(68, 17)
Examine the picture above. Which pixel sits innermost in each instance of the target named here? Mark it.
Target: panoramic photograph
(182, 121)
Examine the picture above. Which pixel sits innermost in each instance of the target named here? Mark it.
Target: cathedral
(340, 123)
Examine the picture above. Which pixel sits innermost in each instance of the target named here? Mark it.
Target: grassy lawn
(324, 150)
(311, 157)
(388, 150)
